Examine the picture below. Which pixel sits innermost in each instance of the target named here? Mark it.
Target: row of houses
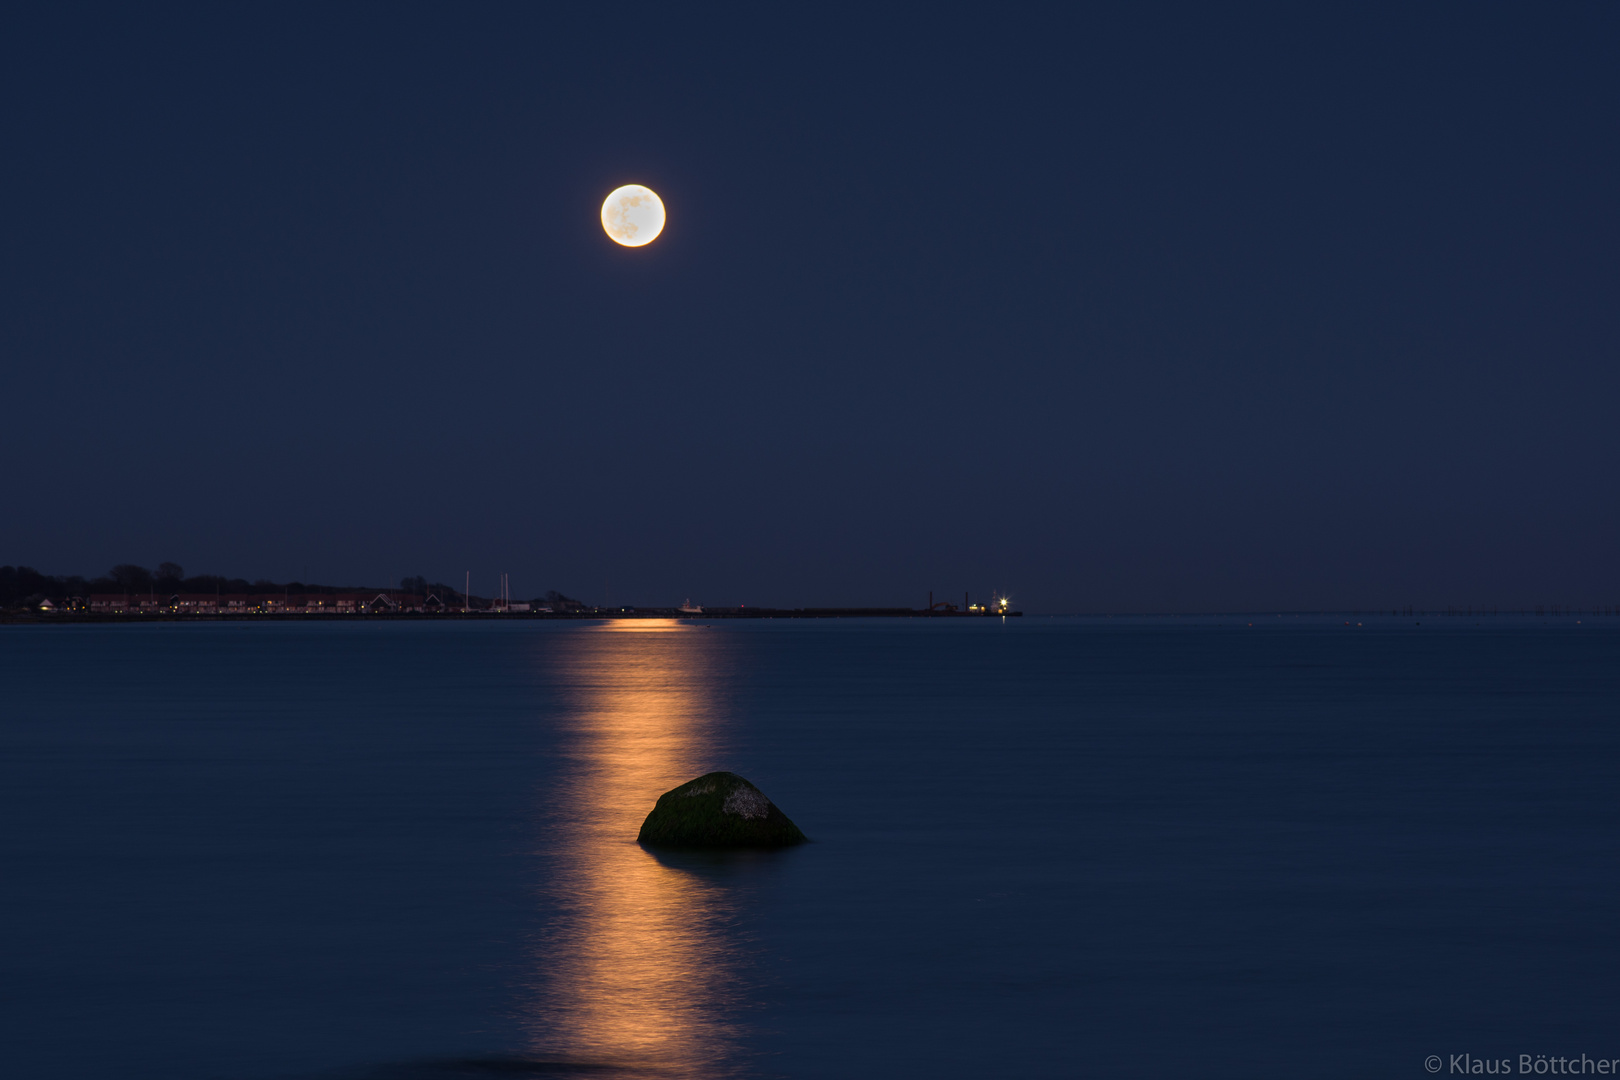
(350, 603)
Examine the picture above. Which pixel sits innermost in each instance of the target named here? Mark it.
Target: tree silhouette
(131, 576)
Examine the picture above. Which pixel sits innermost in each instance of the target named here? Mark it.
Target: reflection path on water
(641, 967)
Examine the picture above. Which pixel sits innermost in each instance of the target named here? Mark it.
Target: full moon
(633, 215)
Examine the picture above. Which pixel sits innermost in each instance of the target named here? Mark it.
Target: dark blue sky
(1184, 308)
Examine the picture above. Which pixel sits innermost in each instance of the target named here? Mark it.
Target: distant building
(352, 603)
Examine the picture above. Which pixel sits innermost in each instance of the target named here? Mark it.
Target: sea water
(1246, 846)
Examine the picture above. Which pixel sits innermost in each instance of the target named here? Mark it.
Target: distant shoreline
(133, 617)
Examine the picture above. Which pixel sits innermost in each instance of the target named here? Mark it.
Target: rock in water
(719, 810)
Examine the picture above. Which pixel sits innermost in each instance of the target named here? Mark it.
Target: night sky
(1144, 309)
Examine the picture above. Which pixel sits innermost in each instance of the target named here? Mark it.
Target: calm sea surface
(1045, 847)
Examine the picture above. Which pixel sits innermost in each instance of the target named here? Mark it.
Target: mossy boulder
(718, 810)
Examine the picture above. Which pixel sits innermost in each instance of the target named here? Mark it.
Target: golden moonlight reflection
(640, 970)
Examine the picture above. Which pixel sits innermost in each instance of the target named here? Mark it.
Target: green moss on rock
(718, 810)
